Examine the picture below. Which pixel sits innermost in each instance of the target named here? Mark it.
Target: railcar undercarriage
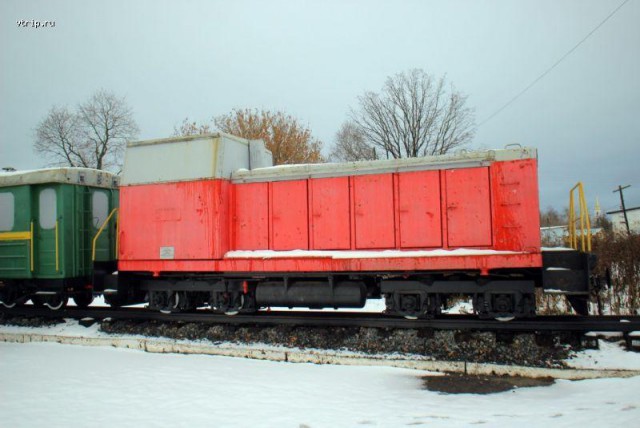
(52, 293)
(503, 295)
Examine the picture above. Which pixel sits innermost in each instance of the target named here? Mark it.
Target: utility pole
(624, 209)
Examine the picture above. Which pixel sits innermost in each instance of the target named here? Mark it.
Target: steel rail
(623, 324)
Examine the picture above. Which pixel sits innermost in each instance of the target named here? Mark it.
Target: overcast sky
(199, 59)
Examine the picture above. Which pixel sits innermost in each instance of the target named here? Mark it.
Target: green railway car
(51, 231)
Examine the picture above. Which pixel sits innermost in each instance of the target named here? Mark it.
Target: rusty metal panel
(181, 221)
(290, 264)
(468, 207)
(289, 215)
(330, 213)
(251, 208)
(515, 205)
(374, 211)
(419, 209)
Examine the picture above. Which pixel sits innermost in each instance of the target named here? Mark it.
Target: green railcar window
(7, 211)
(48, 209)
(99, 208)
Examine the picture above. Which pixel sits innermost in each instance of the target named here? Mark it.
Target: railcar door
(99, 212)
(47, 233)
(15, 232)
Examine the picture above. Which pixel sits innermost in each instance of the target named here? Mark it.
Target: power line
(536, 80)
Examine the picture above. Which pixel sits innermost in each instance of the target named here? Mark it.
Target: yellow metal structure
(57, 255)
(95, 238)
(583, 233)
(31, 241)
(15, 236)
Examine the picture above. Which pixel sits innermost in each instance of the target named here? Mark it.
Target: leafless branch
(413, 116)
(351, 145)
(92, 137)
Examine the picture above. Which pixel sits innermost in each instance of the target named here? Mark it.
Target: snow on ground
(54, 385)
(609, 355)
(460, 307)
(71, 386)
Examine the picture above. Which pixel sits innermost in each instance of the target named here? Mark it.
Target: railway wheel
(8, 296)
(504, 306)
(165, 301)
(413, 305)
(228, 303)
(12, 294)
(55, 301)
(83, 299)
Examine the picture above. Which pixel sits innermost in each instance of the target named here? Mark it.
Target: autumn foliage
(290, 141)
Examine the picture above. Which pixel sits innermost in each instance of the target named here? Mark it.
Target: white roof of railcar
(69, 175)
(462, 159)
(187, 138)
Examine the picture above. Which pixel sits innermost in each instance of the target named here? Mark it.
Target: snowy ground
(51, 385)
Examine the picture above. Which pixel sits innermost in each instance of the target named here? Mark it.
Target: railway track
(576, 324)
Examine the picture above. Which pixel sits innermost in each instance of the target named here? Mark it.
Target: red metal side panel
(419, 209)
(174, 221)
(289, 215)
(330, 216)
(323, 264)
(468, 207)
(251, 208)
(516, 216)
(374, 211)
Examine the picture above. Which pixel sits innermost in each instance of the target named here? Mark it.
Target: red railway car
(205, 220)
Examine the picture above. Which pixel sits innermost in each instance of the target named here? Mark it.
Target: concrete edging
(315, 356)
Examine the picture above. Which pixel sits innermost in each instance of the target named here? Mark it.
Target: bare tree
(414, 115)
(94, 136)
(552, 217)
(351, 145)
(290, 141)
(188, 127)
(57, 138)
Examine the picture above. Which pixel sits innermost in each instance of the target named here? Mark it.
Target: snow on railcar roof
(461, 159)
(186, 138)
(66, 175)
